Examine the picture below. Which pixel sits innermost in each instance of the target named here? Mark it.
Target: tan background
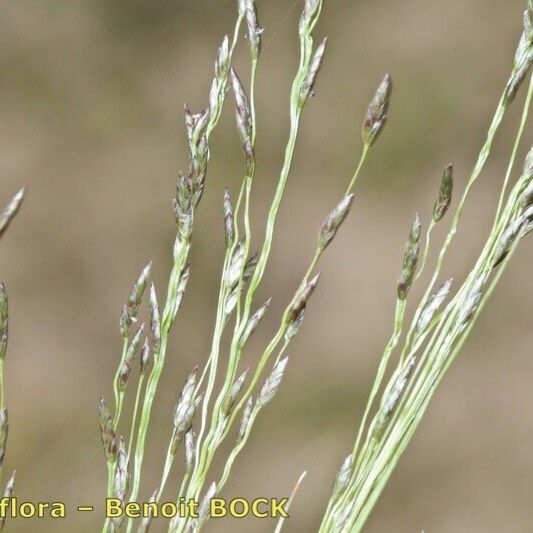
(90, 121)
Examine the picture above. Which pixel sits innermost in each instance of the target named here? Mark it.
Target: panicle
(229, 223)
(253, 322)
(294, 325)
(445, 194)
(376, 114)
(234, 392)
(471, 301)
(231, 301)
(127, 364)
(249, 267)
(190, 187)
(107, 433)
(432, 306)
(519, 227)
(343, 476)
(234, 269)
(245, 420)
(190, 450)
(184, 204)
(121, 472)
(243, 116)
(410, 259)
(526, 198)
(253, 29)
(393, 396)
(4, 429)
(300, 302)
(121, 480)
(145, 355)
(180, 291)
(296, 312)
(155, 321)
(185, 408)
(523, 59)
(272, 383)
(523, 224)
(314, 68)
(309, 16)
(333, 221)
(196, 124)
(218, 91)
(130, 310)
(222, 61)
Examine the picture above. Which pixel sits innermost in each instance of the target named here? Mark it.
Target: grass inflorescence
(6, 217)
(222, 397)
(206, 415)
(436, 332)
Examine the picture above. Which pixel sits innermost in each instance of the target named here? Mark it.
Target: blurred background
(91, 96)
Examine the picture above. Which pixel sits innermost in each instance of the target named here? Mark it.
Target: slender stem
(166, 469)
(362, 160)
(119, 394)
(282, 519)
(155, 374)
(426, 249)
(134, 416)
(215, 350)
(518, 138)
(393, 341)
(384, 361)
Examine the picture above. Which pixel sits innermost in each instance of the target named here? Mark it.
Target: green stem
(119, 394)
(155, 374)
(362, 159)
(393, 341)
(134, 416)
(518, 138)
(391, 344)
(426, 249)
(169, 460)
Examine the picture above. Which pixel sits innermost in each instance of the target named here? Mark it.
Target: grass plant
(221, 399)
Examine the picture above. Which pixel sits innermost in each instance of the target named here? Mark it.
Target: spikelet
(376, 114)
(445, 194)
(410, 259)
